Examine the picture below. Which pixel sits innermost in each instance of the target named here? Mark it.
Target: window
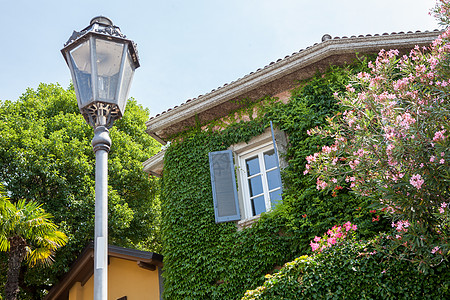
(259, 179)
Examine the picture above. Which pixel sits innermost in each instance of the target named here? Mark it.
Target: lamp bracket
(101, 114)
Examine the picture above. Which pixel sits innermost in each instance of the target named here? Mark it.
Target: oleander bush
(353, 270)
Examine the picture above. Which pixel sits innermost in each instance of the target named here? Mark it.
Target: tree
(46, 156)
(26, 233)
(392, 144)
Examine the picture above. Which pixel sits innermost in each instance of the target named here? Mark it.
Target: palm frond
(30, 221)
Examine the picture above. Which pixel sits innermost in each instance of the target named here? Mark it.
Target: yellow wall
(125, 278)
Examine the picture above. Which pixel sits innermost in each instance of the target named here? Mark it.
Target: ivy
(353, 270)
(205, 260)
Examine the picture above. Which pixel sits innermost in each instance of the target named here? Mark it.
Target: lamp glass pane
(109, 56)
(81, 63)
(128, 71)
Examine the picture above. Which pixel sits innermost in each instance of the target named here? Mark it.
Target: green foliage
(46, 156)
(353, 270)
(28, 234)
(204, 260)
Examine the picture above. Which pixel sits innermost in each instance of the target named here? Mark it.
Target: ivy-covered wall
(205, 260)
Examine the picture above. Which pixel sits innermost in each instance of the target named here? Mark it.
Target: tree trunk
(16, 255)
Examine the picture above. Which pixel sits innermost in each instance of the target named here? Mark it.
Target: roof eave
(284, 67)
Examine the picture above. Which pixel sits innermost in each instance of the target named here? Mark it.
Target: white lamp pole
(102, 63)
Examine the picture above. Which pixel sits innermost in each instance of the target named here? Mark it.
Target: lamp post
(102, 62)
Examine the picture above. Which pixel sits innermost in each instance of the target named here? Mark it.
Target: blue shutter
(223, 181)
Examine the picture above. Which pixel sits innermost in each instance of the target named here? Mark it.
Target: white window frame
(243, 178)
(241, 149)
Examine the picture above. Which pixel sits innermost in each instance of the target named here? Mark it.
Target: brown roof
(279, 76)
(83, 268)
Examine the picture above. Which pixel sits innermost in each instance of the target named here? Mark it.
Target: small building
(132, 274)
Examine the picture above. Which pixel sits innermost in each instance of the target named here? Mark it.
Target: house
(217, 184)
(132, 274)
(276, 79)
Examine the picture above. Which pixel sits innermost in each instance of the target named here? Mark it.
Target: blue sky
(188, 48)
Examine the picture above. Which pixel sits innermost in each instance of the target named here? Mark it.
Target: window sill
(247, 222)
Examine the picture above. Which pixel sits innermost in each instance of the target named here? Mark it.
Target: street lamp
(102, 63)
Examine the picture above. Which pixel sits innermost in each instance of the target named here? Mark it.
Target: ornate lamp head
(102, 62)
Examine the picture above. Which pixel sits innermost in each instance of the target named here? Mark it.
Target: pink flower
(360, 152)
(439, 135)
(353, 164)
(416, 181)
(314, 246)
(347, 226)
(442, 161)
(312, 158)
(405, 120)
(321, 184)
(401, 225)
(435, 249)
(317, 239)
(331, 241)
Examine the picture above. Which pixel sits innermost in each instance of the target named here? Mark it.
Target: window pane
(275, 197)
(252, 166)
(273, 179)
(255, 186)
(258, 205)
(270, 160)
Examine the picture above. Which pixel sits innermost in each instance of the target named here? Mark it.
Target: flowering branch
(392, 142)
